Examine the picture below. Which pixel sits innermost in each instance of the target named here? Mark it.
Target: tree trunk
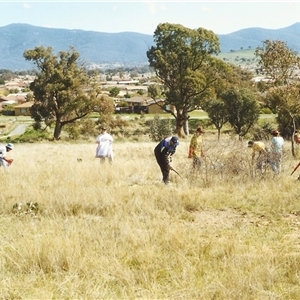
(219, 133)
(294, 129)
(186, 127)
(57, 130)
(179, 125)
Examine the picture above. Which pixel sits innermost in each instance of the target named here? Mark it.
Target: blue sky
(222, 17)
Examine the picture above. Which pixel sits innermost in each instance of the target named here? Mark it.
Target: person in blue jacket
(163, 152)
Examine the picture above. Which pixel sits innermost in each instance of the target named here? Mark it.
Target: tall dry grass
(116, 232)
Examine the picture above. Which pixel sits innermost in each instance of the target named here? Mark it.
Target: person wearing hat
(104, 149)
(4, 161)
(163, 152)
(196, 149)
(260, 149)
(276, 151)
(297, 137)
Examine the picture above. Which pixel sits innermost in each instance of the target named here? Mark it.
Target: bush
(160, 128)
(31, 135)
(266, 111)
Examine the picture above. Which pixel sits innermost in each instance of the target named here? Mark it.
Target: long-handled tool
(171, 168)
(295, 168)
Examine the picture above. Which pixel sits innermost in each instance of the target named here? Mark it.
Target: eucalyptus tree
(185, 62)
(62, 90)
(280, 66)
(219, 111)
(242, 108)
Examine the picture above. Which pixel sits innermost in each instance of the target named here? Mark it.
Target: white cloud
(151, 8)
(206, 8)
(26, 6)
(163, 7)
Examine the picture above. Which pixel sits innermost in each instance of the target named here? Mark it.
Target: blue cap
(175, 141)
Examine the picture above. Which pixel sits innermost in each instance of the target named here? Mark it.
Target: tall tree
(62, 89)
(242, 108)
(280, 66)
(217, 112)
(183, 60)
(231, 77)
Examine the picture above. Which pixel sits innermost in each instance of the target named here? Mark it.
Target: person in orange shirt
(196, 148)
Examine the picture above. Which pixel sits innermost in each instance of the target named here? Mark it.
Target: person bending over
(163, 152)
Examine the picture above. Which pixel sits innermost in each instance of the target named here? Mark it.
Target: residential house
(17, 98)
(23, 109)
(154, 106)
(146, 104)
(136, 104)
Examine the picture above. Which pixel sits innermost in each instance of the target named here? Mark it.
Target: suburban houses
(132, 98)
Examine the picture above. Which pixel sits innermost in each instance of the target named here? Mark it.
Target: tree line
(190, 76)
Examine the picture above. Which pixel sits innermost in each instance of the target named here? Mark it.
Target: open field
(116, 232)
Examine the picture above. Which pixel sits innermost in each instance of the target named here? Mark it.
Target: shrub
(160, 128)
(266, 111)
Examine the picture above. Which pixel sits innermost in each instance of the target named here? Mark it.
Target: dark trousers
(163, 164)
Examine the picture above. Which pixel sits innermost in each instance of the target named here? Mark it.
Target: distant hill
(253, 37)
(116, 49)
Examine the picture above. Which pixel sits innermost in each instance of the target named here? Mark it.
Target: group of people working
(166, 148)
(261, 155)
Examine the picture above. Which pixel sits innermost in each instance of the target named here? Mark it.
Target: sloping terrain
(116, 49)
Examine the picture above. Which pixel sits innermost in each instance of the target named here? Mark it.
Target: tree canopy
(183, 60)
(242, 109)
(62, 90)
(280, 66)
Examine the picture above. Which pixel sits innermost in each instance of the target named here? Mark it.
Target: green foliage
(160, 128)
(31, 135)
(277, 62)
(266, 111)
(123, 104)
(242, 109)
(105, 108)
(127, 96)
(73, 130)
(37, 125)
(88, 127)
(84, 128)
(281, 65)
(218, 113)
(182, 59)
(60, 88)
(286, 123)
(114, 92)
(261, 133)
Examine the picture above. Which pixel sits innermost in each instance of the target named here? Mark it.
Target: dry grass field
(101, 231)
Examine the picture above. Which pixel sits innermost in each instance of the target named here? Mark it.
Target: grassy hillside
(242, 58)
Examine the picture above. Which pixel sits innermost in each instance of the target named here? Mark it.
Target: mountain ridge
(117, 49)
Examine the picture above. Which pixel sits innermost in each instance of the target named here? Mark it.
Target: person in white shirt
(4, 160)
(104, 149)
(276, 151)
